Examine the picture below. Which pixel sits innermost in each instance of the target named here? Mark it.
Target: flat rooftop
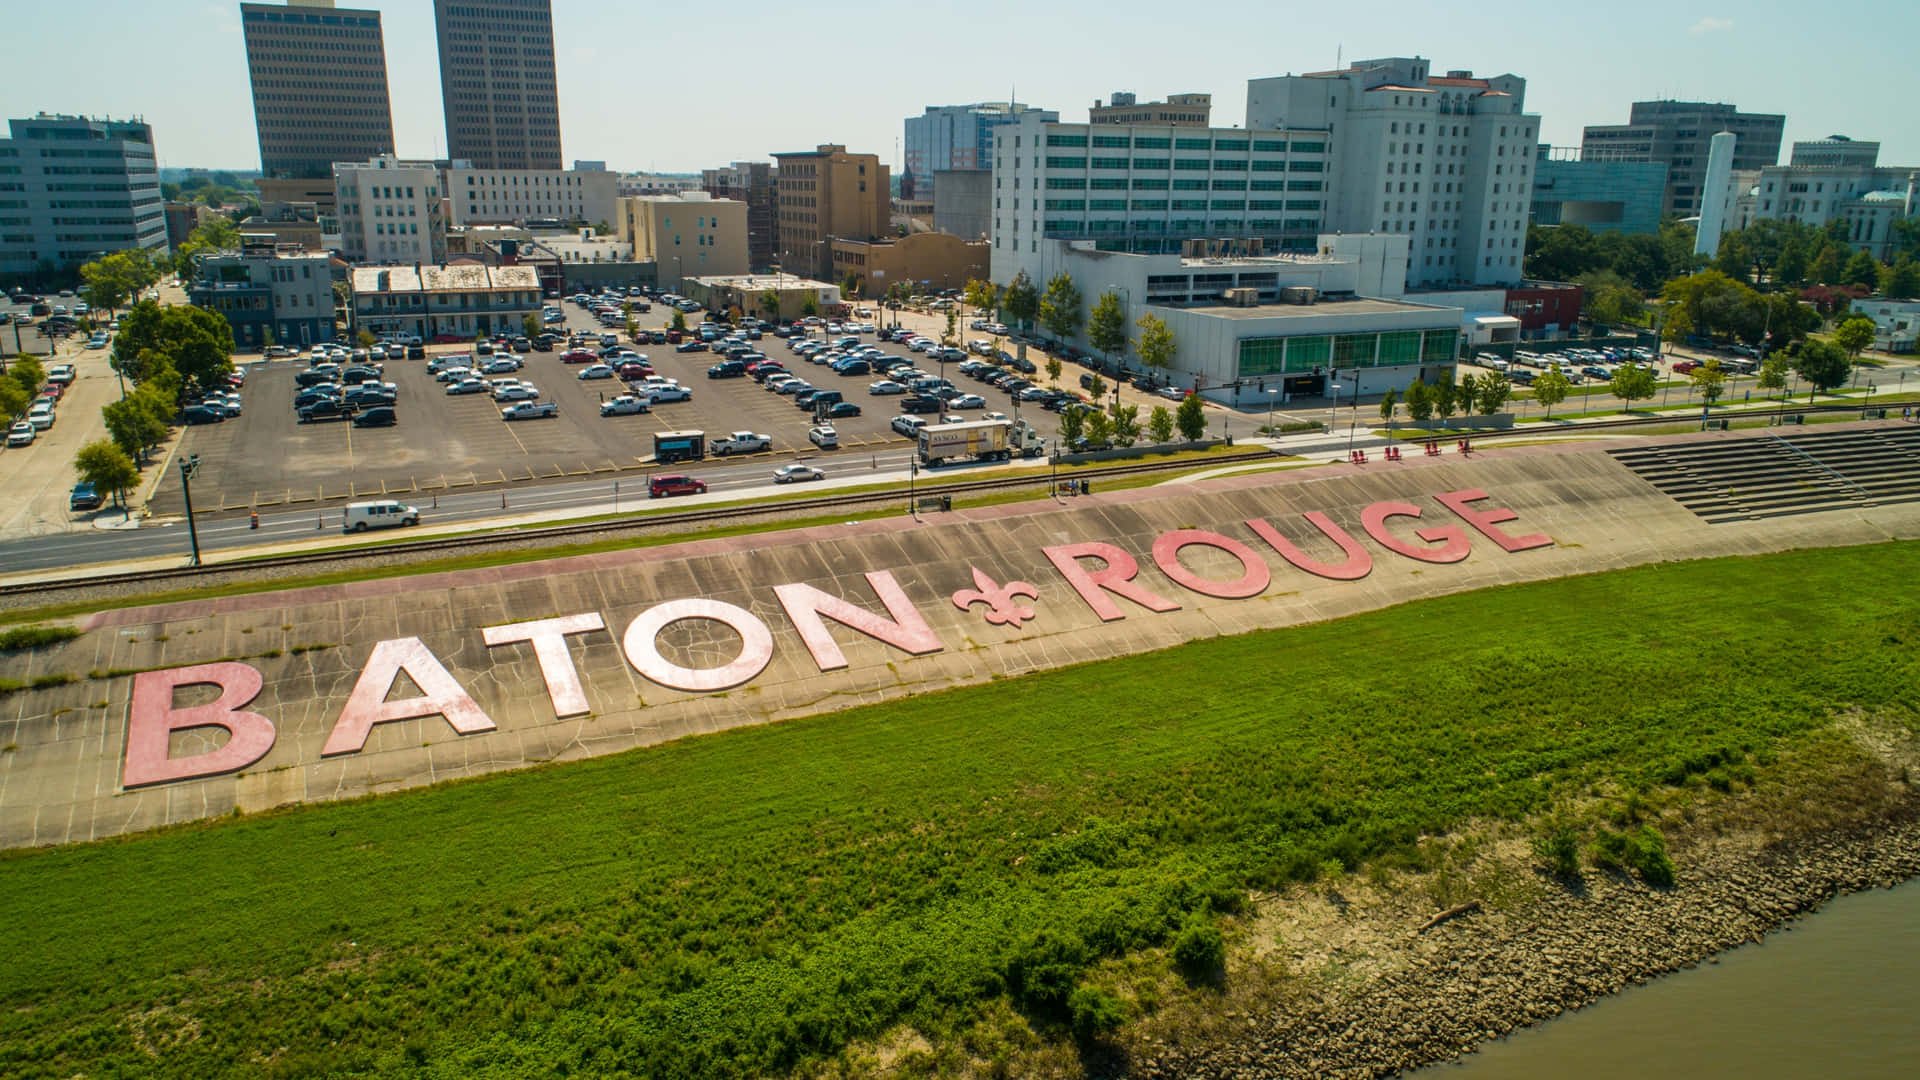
(1355, 306)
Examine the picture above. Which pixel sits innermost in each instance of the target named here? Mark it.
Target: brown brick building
(827, 193)
(319, 78)
(497, 83)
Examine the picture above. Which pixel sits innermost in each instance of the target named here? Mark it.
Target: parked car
(359, 517)
(661, 486)
(580, 356)
(85, 497)
(839, 410)
(597, 371)
(740, 442)
(624, 405)
(797, 473)
(530, 410)
(920, 403)
(691, 346)
(501, 365)
(824, 437)
(324, 409)
(669, 392)
(516, 392)
(378, 416)
(469, 386)
(908, 425)
(21, 433)
(885, 387)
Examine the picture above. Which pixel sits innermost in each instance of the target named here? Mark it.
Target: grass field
(750, 902)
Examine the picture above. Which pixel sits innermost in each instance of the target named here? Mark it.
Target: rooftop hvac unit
(1241, 297)
(1299, 294)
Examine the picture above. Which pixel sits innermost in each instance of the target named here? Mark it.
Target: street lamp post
(189, 466)
(1333, 403)
(1272, 398)
(1355, 424)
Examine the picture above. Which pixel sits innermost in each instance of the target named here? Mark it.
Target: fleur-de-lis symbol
(1003, 610)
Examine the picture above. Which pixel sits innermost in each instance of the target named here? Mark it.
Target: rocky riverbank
(1367, 994)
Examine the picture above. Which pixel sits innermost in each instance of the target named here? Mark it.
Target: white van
(361, 516)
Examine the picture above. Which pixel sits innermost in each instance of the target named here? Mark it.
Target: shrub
(1045, 968)
(1095, 1011)
(1643, 851)
(1199, 949)
(32, 637)
(1559, 848)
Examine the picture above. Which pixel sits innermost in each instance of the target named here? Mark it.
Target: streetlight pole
(188, 467)
(1272, 397)
(1355, 424)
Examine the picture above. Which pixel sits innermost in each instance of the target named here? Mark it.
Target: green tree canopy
(982, 296)
(13, 399)
(139, 422)
(1823, 364)
(1550, 388)
(196, 343)
(1773, 373)
(1022, 300)
(1420, 401)
(1155, 345)
(1901, 281)
(1491, 392)
(1053, 369)
(1160, 424)
(1633, 382)
(1862, 270)
(1854, 335)
(1708, 381)
(1107, 326)
(1062, 308)
(106, 467)
(1827, 266)
(1190, 417)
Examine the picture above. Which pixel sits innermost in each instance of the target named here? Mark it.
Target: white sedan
(21, 434)
(516, 392)
(793, 474)
(885, 387)
(968, 401)
(597, 371)
(670, 392)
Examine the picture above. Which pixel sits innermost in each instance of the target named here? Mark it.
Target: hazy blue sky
(691, 89)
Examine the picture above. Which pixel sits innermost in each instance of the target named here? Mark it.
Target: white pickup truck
(529, 410)
(740, 442)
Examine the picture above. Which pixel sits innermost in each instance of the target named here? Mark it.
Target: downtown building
(1678, 134)
(391, 211)
(1828, 180)
(497, 83)
(319, 76)
(73, 189)
(755, 184)
(828, 193)
(948, 137)
(550, 198)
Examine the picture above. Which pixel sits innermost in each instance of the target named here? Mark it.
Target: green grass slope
(744, 903)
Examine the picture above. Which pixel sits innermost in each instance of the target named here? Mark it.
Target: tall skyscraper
(1679, 135)
(319, 86)
(497, 82)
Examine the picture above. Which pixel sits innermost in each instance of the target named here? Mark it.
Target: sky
(660, 87)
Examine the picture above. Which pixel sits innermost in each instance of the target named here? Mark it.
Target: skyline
(677, 104)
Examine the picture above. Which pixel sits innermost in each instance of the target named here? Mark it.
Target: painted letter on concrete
(907, 632)
(1486, 520)
(1358, 565)
(1451, 540)
(1254, 574)
(1116, 577)
(152, 720)
(549, 639)
(643, 647)
(368, 704)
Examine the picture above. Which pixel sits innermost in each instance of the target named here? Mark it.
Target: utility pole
(188, 467)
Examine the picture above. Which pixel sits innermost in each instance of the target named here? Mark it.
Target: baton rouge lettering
(1099, 574)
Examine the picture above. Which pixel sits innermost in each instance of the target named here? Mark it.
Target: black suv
(381, 416)
(920, 403)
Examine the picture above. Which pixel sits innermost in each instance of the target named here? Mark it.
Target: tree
(1463, 393)
(679, 320)
(1126, 424)
(1773, 373)
(1099, 430)
(1618, 304)
(530, 324)
(810, 306)
(1490, 394)
(1107, 326)
(110, 281)
(1709, 381)
(951, 335)
(1823, 364)
(981, 296)
(1550, 388)
(1155, 344)
(139, 422)
(1861, 270)
(1420, 401)
(1826, 268)
(1160, 424)
(1060, 308)
(850, 285)
(1791, 266)
(1022, 300)
(1446, 395)
(1072, 425)
(27, 374)
(1387, 404)
(1854, 335)
(770, 303)
(107, 468)
(1901, 281)
(1631, 383)
(1096, 387)
(1053, 370)
(1191, 418)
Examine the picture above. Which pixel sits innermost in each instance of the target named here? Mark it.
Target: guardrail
(599, 529)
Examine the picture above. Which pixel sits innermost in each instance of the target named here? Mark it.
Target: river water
(1837, 996)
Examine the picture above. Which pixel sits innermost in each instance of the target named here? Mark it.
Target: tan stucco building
(826, 193)
(688, 235)
(923, 260)
(748, 292)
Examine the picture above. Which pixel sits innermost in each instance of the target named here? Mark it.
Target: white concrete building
(73, 189)
(1444, 160)
(391, 211)
(1896, 323)
(507, 196)
(444, 302)
(1829, 179)
(1152, 189)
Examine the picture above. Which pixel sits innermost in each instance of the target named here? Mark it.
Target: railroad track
(538, 537)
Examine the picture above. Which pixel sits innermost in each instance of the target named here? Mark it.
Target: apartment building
(497, 83)
(319, 76)
(825, 193)
(391, 211)
(74, 188)
(267, 288)
(1678, 134)
(1444, 160)
(506, 196)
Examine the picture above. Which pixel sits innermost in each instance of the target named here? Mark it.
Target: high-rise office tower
(497, 83)
(319, 86)
(1680, 134)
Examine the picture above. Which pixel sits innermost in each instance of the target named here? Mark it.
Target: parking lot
(265, 458)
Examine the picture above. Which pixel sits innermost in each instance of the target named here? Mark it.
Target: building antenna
(1339, 52)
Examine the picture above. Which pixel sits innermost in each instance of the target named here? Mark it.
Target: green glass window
(1309, 148)
(1354, 350)
(1269, 166)
(1149, 204)
(1106, 204)
(1229, 204)
(1192, 165)
(1113, 141)
(1193, 144)
(1106, 226)
(1303, 185)
(1261, 356)
(1301, 204)
(1438, 346)
(1141, 183)
(1304, 353)
(1189, 204)
(1269, 185)
(1299, 223)
(1109, 183)
(1230, 165)
(1146, 142)
(1188, 225)
(1400, 347)
(1062, 226)
(1264, 225)
(1109, 163)
(1229, 185)
(1224, 226)
(1229, 144)
(1066, 140)
(1149, 227)
(1297, 165)
(1270, 146)
(1150, 163)
(1066, 162)
(1066, 183)
(1066, 204)
(1189, 185)
(1267, 204)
